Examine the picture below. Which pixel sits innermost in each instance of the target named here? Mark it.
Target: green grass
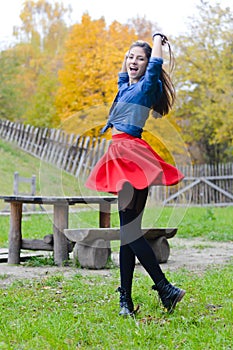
(49, 179)
(209, 223)
(82, 313)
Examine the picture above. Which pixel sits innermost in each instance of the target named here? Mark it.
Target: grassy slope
(49, 179)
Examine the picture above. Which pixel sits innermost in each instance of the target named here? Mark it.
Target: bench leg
(92, 255)
(60, 247)
(105, 219)
(15, 234)
(161, 248)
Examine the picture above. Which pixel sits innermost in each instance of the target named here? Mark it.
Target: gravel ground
(195, 255)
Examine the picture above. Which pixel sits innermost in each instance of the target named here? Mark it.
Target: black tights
(131, 204)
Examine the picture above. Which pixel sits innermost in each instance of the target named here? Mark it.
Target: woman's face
(136, 64)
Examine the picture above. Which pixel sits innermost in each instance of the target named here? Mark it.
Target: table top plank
(53, 200)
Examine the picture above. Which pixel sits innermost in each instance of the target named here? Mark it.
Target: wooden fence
(75, 154)
(205, 185)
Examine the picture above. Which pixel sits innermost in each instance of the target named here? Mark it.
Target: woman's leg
(127, 264)
(126, 202)
(133, 243)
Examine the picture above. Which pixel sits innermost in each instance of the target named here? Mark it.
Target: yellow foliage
(93, 58)
(82, 122)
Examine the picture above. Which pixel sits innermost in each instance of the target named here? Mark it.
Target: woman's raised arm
(158, 41)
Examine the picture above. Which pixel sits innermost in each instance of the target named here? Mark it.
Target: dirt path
(192, 254)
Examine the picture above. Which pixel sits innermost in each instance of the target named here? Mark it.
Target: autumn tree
(40, 49)
(94, 54)
(11, 102)
(204, 80)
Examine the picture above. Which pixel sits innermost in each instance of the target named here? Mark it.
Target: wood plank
(113, 234)
(36, 244)
(67, 152)
(77, 154)
(33, 141)
(82, 159)
(217, 188)
(23, 256)
(59, 200)
(45, 244)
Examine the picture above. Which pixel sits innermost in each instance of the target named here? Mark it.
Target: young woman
(130, 166)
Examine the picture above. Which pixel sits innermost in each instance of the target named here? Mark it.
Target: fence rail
(73, 153)
(203, 184)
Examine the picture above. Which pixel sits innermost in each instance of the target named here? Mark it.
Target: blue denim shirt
(132, 103)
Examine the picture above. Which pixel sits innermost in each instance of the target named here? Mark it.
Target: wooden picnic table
(60, 221)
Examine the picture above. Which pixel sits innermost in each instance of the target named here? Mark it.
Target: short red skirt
(130, 159)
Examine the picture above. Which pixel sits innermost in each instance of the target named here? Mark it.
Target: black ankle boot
(126, 303)
(169, 294)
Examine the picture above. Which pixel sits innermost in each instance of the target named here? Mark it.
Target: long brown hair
(167, 99)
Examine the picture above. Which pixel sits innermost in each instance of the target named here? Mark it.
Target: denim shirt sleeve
(152, 76)
(123, 78)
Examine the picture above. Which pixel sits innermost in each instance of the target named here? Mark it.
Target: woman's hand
(164, 39)
(124, 68)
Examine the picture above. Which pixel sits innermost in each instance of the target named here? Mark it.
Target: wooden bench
(92, 245)
(57, 242)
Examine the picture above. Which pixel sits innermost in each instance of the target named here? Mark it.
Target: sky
(172, 16)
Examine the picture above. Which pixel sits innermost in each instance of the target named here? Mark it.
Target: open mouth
(133, 69)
